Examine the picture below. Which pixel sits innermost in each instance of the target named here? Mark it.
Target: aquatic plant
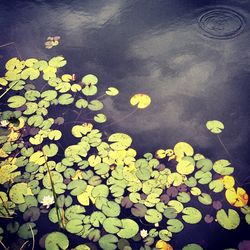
(98, 188)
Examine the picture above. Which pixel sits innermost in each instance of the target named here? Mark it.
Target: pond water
(192, 58)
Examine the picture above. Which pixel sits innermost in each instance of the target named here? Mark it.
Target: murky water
(191, 57)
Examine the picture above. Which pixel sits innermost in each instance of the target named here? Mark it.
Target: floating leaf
(74, 226)
(30, 73)
(228, 221)
(185, 167)
(56, 241)
(24, 230)
(57, 62)
(90, 79)
(18, 192)
(112, 91)
(112, 225)
(175, 226)
(215, 126)
(77, 187)
(16, 101)
(182, 149)
(128, 229)
(108, 242)
(192, 246)
(95, 105)
(237, 198)
(191, 215)
(223, 167)
(120, 141)
(81, 103)
(153, 216)
(142, 101)
(65, 99)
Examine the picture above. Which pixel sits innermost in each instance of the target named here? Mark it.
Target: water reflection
(154, 47)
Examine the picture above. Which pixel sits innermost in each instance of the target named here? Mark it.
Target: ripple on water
(221, 23)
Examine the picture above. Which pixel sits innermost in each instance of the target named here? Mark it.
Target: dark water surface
(192, 57)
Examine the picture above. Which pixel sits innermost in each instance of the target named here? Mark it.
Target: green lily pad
(56, 241)
(50, 150)
(65, 99)
(223, 167)
(120, 141)
(100, 190)
(174, 225)
(32, 95)
(112, 225)
(108, 242)
(101, 168)
(215, 126)
(24, 230)
(97, 218)
(89, 90)
(18, 192)
(74, 226)
(30, 73)
(128, 229)
(111, 209)
(77, 187)
(57, 62)
(228, 221)
(191, 215)
(95, 105)
(205, 199)
(192, 246)
(16, 101)
(81, 103)
(203, 177)
(100, 118)
(90, 79)
(112, 91)
(75, 212)
(49, 95)
(153, 216)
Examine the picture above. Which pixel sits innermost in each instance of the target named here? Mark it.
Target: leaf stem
(122, 119)
(224, 146)
(59, 216)
(33, 237)
(7, 90)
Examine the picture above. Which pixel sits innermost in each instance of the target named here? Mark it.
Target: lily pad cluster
(98, 188)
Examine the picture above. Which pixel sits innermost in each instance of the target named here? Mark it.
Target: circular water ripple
(221, 23)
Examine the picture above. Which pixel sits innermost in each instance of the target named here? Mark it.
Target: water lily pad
(57, 62)
(81, 103)
(24, 230)
(111, 209)
(65, 99)
(112, 91)
(174, 225)
(120, 141)
(205, 199)
(128, 229)
(74, 226)
(95, 105)
(191, 215)
(18, 192)
(153, 216)
(230, 220)
(100, 118)
(215, 126)
(142, 101)
(16, 101)
(223, 167)
(89, 90)
(192, 246)
(77, 187)
(108, 242)
(56, 241)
